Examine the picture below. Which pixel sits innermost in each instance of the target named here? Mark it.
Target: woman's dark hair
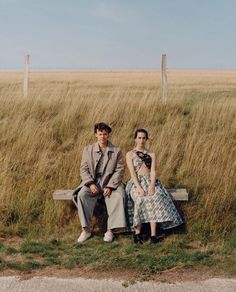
(101, 127)
(140, 131)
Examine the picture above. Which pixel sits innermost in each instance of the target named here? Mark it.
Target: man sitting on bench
(101, 171)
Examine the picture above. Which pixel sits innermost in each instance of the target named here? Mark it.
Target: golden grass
(42, 137)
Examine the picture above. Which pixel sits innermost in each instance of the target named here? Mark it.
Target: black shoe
(138, 239)
(154, 239)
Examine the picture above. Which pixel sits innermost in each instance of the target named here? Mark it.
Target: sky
(117, 34)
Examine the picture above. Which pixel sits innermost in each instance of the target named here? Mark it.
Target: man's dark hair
(101, 127)
(141, 130)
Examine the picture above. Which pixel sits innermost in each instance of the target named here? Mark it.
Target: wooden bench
(179, 195)
(67, 195)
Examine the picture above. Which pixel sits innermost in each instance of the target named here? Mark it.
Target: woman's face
(141, 139)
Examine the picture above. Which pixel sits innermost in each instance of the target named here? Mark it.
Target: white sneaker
(84, 236)
(108, 236)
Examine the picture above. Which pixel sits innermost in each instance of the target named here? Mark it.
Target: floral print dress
(155, 208)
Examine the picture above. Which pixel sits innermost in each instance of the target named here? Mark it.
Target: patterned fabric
(144, 209)
(146, 158)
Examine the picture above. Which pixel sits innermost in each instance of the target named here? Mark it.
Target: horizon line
(35, 70)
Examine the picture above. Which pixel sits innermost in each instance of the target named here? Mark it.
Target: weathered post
(164, 79)
(26, 76)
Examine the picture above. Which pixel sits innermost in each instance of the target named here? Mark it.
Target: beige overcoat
(112, 170)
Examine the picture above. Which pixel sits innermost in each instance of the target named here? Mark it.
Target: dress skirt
(156, 208)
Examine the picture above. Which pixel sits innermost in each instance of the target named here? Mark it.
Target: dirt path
(44, 284)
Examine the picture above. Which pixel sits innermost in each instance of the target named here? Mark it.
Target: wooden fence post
(26, 75)
(164, 79)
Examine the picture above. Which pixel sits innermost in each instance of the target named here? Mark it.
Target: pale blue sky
(117, 34)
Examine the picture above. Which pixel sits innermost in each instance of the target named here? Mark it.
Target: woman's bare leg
(153, 228)
(137, 229)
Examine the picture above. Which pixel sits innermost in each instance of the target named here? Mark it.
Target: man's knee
(118, 195)
(119, 192)
(83, 193)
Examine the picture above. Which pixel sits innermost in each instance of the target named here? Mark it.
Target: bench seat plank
(177, 194)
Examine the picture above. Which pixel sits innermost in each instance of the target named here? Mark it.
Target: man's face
(102, 137)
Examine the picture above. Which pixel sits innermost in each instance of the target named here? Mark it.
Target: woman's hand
(140, 191)
(151, 190)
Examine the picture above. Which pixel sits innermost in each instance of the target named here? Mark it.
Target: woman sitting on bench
(152, 203)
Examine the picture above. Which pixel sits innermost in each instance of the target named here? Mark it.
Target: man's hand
(94, 189)
(107, 192)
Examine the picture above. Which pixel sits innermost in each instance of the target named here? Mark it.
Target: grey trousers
(115, 207)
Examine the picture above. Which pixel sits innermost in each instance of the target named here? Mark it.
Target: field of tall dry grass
(42, 137)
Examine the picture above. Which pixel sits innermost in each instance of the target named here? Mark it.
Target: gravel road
(44, 284)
